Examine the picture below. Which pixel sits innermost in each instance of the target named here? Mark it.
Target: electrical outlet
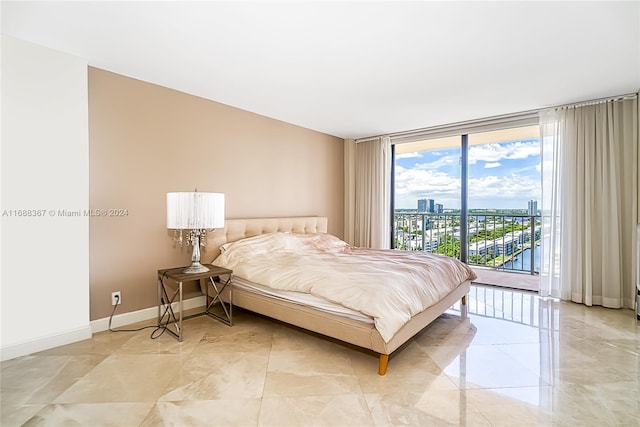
(116, 298)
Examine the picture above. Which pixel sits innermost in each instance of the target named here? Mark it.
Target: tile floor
(514, 360)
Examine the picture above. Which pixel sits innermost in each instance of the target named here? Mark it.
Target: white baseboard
(69, 337)
(45, 343)
(143, 315)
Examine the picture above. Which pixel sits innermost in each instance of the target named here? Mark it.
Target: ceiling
(354, 69)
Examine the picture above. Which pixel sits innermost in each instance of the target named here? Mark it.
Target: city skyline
(502, 175)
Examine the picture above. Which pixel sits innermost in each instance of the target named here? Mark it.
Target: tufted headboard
(236, 229)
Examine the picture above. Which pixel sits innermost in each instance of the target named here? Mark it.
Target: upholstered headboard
(236, 229)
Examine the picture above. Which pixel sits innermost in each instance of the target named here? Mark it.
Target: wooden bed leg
(382, 367)
(463, 307)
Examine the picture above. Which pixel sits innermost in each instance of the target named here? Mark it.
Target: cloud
(445, 161)
(512, 191)
(505, 187)
(512, 186)
(507, 151)
(408, 155)
(413, 184)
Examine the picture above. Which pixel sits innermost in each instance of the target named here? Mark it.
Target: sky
(503, 175)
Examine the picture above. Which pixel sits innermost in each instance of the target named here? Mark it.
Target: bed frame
(348, 330)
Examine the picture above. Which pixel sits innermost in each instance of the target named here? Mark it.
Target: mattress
(300, 298)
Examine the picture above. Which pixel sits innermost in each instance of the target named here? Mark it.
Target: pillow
(285, 241)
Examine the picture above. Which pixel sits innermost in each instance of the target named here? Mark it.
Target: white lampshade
(195, 210)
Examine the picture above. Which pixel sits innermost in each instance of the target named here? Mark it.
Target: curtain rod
(504, 117)
(370, 138)
(595, 101)
(501, 118)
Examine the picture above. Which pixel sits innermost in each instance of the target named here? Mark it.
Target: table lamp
(190, 215)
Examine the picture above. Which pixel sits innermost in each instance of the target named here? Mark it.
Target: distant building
(533, 208)
(503, 246)
(439, 208)
(431, 205)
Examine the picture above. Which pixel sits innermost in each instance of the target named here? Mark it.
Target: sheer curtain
(550, 254)
(368, 192)
(590, 202)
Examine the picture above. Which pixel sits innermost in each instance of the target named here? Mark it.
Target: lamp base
(195, 267)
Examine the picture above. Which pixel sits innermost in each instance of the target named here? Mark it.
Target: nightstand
(170, 282)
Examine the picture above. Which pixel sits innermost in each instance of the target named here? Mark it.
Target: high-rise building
(439, 208)
(533, 208)
(429, 206)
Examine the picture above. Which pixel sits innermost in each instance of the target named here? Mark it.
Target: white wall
(45, 168)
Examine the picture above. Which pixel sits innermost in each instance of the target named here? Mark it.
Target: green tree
(449, 246)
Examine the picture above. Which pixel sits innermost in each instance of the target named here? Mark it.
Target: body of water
(523, 260)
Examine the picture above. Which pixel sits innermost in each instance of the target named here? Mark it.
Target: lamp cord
(161, 327)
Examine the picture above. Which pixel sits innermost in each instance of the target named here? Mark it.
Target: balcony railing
(503, 242)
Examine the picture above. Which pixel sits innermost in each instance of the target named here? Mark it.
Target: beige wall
(146, 140)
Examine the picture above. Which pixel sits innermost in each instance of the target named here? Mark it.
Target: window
(480, 188)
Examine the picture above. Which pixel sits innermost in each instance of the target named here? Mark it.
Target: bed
(266, 286)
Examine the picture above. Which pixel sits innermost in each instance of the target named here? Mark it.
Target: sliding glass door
(504, 189)
(473, 197)
(427, 196)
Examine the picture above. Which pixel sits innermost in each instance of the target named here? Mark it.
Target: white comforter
(389, 285)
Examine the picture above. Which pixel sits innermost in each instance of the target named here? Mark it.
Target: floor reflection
(513, 359)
